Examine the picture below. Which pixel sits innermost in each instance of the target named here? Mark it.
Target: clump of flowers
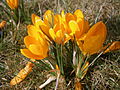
(69, 40)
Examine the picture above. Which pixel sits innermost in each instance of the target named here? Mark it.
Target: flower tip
(101, 23)
(33, 15)
(79, 13)
(34, 18)
(48, 12)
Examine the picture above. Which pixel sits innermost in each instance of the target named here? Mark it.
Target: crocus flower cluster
(60, 29)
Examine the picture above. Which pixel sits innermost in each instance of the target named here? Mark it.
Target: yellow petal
(39, 23)
(30, 40)
(59, 37)
(47, 13)
(81, 31)
(78, 13)
(43, 39)
(59, 34)
(67, 38)
(36, 49)
(84, 27)
(57, 19)
(63, 14)
(94, 38)
(16, 3)
(73, 26)
(114, 46)
(57, 27)
(45, 29)
(12, 4)
(35, 18)
(29, 54)
(48, 18)
(39, 49)
(22, 74)
(52, 33)
(33, 31)
(45, 52)
(69, 17)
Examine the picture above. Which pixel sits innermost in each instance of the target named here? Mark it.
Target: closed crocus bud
(13, 4)
(2, 25)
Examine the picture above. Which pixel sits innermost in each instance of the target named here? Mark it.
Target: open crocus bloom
(52, 26)
(13, 4)
(58, 32)
(90, 41)
(93, 40)
(66, 26)
(36, 43)
(76, 25)
(36, 48)
(45, 24)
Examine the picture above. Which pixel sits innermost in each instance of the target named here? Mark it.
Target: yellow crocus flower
(93, 40)
(36, 48)
(13, 4)
(58, 33)
(75, 24)
(43, 25)
(36, 41)
(52, 26)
